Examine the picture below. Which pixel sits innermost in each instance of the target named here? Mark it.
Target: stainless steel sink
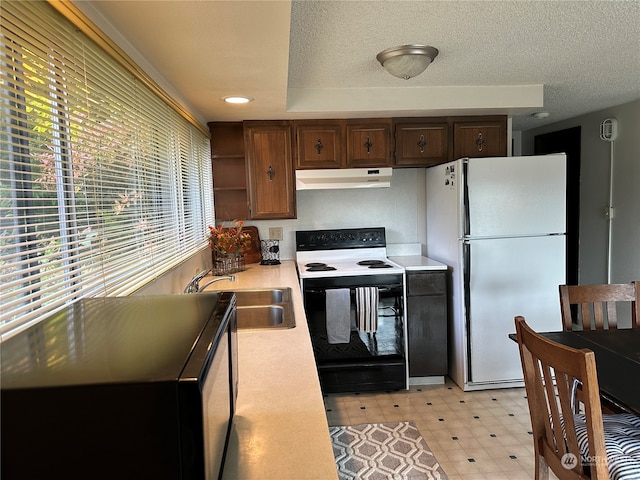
(265, 308)
(269, 316)
(262, 296)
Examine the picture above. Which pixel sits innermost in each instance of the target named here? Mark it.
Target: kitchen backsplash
(176, 279)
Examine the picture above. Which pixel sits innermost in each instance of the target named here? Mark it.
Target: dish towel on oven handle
(338, 315)
(367, 309)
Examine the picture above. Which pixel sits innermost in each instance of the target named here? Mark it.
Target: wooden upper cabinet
(480, 138)
(369, 143)
(421, 144)
(270, 168)
(319, 144)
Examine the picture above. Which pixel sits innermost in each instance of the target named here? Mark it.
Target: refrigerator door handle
(466, 272)
(466, 226)
(466, 278)
(467, 238)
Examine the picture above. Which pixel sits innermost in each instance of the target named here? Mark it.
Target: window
(104, 185)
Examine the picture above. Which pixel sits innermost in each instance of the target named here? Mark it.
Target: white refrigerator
(500, 224)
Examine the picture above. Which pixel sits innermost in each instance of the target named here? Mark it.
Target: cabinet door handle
(270, 172)
(480, 142)
(368, 144)
(422, 143)
(319, 146)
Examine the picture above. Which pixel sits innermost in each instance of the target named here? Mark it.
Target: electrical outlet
(275, 233)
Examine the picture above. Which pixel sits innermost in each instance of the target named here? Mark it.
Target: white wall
(594, 193)
(399, 208)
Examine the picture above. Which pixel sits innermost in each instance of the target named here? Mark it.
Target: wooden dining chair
(573, 446)
(595, 307)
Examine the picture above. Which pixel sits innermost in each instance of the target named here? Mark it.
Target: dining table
(617, 354)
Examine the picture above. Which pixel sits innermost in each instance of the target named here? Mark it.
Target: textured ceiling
(316, 59)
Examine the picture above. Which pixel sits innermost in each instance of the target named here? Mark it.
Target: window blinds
(104, 185)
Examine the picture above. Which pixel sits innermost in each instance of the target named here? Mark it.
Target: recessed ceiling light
(540, 115)
(237, 99)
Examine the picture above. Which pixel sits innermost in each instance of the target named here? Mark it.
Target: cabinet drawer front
(426, 283)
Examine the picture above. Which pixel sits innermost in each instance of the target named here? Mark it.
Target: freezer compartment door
(443, 211)
(508, 277)
(509, 196)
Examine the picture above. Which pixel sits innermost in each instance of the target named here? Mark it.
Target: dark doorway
(567, 141)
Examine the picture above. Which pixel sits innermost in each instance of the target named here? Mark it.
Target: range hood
(333, 178)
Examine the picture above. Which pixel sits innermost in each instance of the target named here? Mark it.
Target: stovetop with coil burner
(318, 267)
(343, 252)
(323, 267)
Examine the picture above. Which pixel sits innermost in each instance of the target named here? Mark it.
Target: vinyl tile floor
(474, 435)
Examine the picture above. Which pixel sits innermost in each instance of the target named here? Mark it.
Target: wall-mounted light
(237, 99)
(407, 61)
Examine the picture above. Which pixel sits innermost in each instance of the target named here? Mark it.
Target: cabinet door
(480, 139)
(421, 144)
(427, 323)
(271, 186)
(369, 144)
(319, 145)
(427, 335)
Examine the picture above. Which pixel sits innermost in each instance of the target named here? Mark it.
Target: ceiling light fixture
(237, 99)
(407, 61)
(540, 115)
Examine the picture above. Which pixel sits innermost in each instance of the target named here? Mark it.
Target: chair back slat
(585, 310)
(549, 371)
(598, 315)
(595, 307)
(612, 315)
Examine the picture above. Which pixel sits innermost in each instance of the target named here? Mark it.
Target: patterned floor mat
(383, 451)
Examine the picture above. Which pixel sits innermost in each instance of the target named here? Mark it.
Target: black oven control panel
(311, 240)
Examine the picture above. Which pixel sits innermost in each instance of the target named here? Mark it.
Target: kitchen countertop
(280, 428)
(417, 262)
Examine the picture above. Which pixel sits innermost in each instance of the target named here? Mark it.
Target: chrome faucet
(194, 284)
(231, 278)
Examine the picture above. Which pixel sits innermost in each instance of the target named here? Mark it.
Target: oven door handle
(382, 289)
